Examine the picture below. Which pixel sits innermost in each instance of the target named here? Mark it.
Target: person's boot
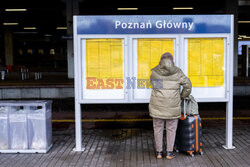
(170, 155)
(159, 155)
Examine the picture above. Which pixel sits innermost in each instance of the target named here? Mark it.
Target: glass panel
(104, 63)
(206, 62)
(149, 52)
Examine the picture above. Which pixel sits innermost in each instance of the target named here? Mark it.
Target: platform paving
(131, 147)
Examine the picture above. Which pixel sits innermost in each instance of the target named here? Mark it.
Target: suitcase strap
(197, 133)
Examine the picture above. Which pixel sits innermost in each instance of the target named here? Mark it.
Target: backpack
(190, 106)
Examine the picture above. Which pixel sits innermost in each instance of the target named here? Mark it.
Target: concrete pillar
(72, 8)
(8, 45)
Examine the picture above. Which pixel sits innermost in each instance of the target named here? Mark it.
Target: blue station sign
(153, 24)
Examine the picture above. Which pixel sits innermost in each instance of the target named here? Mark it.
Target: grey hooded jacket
(165, 101)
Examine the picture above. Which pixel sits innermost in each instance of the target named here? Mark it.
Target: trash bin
(18, 128)
(25, 126)
(37, 129)
(4, 132)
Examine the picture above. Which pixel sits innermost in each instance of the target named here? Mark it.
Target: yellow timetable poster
(104, 63)
(149, 53)
(206, 62)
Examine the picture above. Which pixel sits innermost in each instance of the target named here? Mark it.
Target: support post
(229, 105)
(78, 127)
(229, 125)
(77, 78)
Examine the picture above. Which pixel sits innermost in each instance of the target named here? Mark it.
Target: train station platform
(131, 147)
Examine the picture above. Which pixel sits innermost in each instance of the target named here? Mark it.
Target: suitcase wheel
(175, 149)
(191, 153)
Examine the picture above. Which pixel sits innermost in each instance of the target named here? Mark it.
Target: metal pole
(229, 105)
(229, 125)
(229, 110)
(78, 127)
(78, 115)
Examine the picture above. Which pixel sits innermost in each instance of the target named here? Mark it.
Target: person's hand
(186, 98)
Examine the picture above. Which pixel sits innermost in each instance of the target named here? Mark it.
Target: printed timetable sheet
(104, 59)
(149, 53)
(206, 62)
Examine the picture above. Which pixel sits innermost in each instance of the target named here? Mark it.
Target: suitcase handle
(184, 106)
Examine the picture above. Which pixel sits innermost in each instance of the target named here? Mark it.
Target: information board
(120, 51)
(114, 56)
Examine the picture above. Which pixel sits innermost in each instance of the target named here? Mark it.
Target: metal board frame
(226, 62)
(133, 58)
(81, 38)
(128, 64)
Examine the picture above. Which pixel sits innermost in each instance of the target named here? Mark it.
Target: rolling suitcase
(189, 134)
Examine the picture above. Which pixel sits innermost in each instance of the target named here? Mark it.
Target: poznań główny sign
(153, 24)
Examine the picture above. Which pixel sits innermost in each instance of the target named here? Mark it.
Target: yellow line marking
(105, 120)
(214, 118)
(241, 117)
(138, 120)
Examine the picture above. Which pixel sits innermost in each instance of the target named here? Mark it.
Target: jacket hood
(165, 68)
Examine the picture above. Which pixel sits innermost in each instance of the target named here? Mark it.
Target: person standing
(165, 101)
